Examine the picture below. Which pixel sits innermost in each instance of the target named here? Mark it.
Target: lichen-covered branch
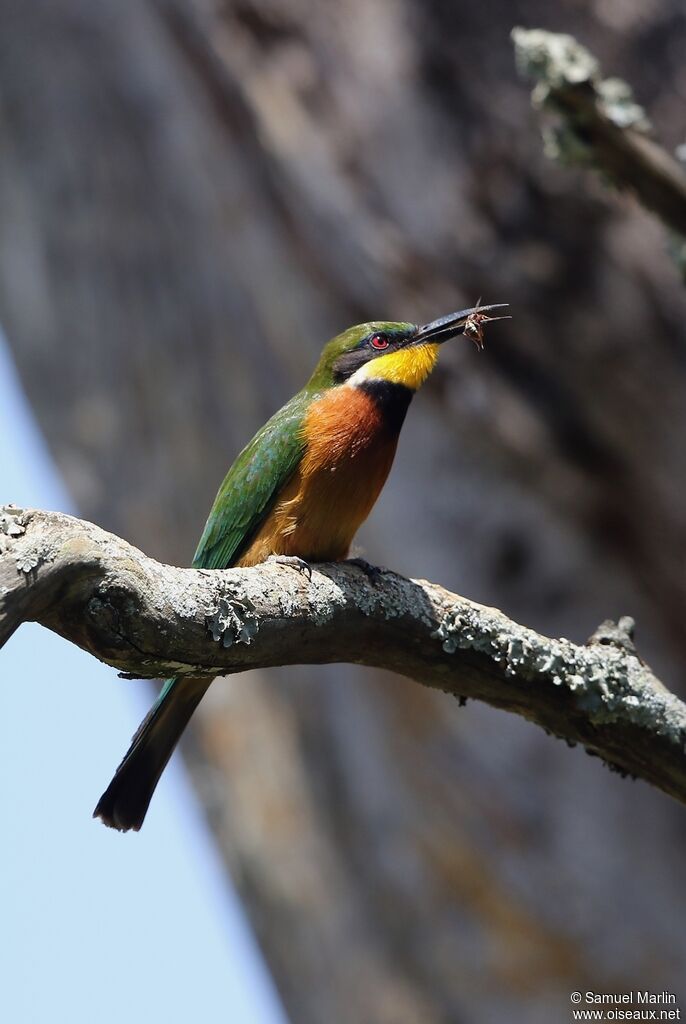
(151, 620)
(599, 125)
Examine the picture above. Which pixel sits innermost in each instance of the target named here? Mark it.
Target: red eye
(379, 341)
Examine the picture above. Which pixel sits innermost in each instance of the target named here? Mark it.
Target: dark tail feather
(125, 802)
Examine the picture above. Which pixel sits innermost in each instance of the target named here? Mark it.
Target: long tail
(125, 802)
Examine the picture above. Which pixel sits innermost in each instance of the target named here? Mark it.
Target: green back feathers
(252, 485)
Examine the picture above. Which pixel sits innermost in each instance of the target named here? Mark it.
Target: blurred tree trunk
(193, 197)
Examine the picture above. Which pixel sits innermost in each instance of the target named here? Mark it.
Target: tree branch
(152, 620)
(600, 126)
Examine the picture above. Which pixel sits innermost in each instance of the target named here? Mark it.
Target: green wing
(251, 486)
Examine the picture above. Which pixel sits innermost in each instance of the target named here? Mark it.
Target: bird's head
(397, 353)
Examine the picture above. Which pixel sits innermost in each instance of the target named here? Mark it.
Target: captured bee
(473, 328)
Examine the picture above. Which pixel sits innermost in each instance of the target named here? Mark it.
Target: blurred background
(194, 196)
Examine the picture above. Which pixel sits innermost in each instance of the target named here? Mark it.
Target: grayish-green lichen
(558, 62)
(619, 106)
(288, 603)
(389, 602)
(12, 522)
(396, 598)
(12, 525)
(234, 620)
(27, 561)
(607, 683)
(324, 597)
(553, 58)
(186, 604)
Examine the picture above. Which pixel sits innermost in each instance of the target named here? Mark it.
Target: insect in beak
(473, 327)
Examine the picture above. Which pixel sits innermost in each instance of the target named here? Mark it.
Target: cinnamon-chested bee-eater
(301, 488)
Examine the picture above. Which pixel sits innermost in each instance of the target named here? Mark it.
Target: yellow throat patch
(409, 367)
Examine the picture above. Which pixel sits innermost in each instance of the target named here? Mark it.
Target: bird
(297, 492)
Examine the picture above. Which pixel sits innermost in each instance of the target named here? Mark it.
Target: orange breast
(349, 453)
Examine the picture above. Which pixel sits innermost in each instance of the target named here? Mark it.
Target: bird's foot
(372, 572)
(299, 564)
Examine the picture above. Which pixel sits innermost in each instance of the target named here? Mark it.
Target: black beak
(448, 326)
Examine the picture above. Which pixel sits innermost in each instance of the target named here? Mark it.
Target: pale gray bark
(154, 620)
